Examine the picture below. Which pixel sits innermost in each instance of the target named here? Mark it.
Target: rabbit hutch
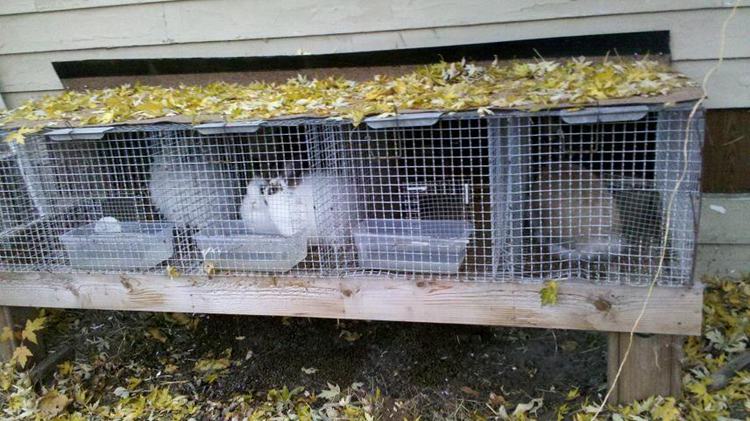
(426, 216)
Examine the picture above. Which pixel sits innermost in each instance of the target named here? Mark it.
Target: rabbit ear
(289, 171)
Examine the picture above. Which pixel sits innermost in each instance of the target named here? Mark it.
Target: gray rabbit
(573, 210)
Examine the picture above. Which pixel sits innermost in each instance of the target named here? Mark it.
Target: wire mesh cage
(181, 198)
(421, 182)
(593, 195)
(598, 194)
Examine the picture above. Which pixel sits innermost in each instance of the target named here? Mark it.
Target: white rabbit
(575, 212)
(254, 210)
(190, 191)
(318, 204)
(288, 208)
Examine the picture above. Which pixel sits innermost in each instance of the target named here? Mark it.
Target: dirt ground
(433, 363)
(429, 369)
(132, 366)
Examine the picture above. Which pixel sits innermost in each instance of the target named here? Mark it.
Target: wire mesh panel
(593, 194)
(17, 209)
(206, 199)
(422, 185)
(589, 195)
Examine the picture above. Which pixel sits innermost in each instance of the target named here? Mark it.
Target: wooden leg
(7, 347)
(652, 368)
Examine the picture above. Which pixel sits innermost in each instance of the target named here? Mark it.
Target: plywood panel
(226, 20)
(728, 89)
(580, 305)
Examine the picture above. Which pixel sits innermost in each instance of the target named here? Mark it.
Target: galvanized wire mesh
(588, 194)
(422, 191)
(515, 196)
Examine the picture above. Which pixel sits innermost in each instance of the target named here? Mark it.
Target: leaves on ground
(309, 370)
(156, 334)
(6, 334)
(350, 336)
(53, 403)
(32, 326)
(167, 383)
(548, 293)
(21, 355)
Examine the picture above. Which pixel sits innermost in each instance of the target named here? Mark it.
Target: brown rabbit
(575, 212)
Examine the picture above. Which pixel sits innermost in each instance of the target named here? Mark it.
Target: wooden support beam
(6, 347)
(652, 367)
(581, 305)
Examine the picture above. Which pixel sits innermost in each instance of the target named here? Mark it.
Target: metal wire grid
(422, 195)
(148, 198)
(587, 196)
(17, 205)
(528, 196)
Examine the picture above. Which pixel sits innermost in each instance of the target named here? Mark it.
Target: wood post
(7, 347)
(652, 368)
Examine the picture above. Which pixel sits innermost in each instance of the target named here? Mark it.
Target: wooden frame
(580, 305)
(653, 366)
(6, 347)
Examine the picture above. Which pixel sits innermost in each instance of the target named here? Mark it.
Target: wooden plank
(13, 7)
(36, 6)
(725, 163)
(22, 74)
(228, 20)
(581, 305)
(652, 367)
(728, 88)
(730, 85)
(7, 347)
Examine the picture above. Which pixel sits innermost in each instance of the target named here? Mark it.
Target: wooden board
(13, 7)
(223, 20)
(729, 91)
(725, 164)
(581, 305)
(693, 37)
(121, 29)
(652, 368)
(6, 347)
(536, 6)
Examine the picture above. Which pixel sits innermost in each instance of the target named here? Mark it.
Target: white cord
(668, 220)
